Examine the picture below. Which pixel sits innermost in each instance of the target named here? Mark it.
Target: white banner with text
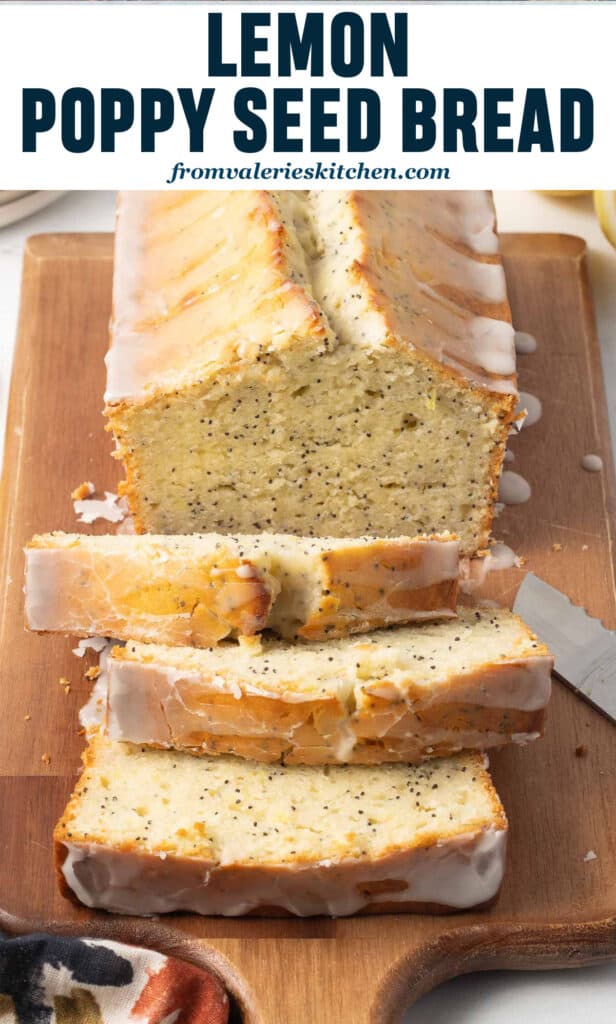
(301, 95)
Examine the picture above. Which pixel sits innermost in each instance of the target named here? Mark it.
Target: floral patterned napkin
(46, 979)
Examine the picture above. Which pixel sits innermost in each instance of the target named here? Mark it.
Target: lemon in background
(605, 208)
(604, 202)
(563, 192)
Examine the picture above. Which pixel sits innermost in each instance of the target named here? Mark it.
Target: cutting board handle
(317, 981)
(330, 979)
(297, 981)
(302, 980)
(353, 981)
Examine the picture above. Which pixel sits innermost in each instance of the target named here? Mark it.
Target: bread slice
(316, 363)
(395, 695)
(197, 590)
(148, 832)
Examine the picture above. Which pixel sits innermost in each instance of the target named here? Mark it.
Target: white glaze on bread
(455, 874)
(313, 363)
(198, 590)
(442, 254)
(147, 832)
(398, 695)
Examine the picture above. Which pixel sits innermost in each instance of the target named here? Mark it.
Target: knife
(584, 650)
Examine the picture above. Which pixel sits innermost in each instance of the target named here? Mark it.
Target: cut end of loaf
(352, 443)
(343, 364)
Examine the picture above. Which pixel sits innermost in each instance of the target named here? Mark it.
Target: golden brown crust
(374, 729)
(201, 595)
(220, 596)
(495, 724)
(60, 854)
(268, 910)
(504, 408)
(88, 757)
(127, 488)
(362, 878)
(374, 585)
(272, 911)
(220, 612)
(387, 277)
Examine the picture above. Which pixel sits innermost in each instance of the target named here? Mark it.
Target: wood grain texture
(554, 910)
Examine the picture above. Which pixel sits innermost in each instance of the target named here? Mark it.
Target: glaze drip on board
(533, 408)
(513, 489)
(592, 463)
(524, 343)
(475, 571)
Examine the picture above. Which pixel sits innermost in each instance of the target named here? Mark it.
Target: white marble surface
(560, 997)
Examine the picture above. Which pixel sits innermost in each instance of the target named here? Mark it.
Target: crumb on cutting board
(91, 643)
(84, 490)
(111, 508)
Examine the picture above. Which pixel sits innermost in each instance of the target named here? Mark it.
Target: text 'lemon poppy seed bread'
(147, 832)
(314, 363)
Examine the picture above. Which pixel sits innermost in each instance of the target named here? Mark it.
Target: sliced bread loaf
(197, 590)
(311, 362)
(148, 832)
(395, 695)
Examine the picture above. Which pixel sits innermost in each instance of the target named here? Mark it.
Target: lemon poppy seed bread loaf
(314, 363)
(149, 832)
(198, 589)
(404, 694)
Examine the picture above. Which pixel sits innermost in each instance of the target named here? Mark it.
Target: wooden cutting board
(555, 909)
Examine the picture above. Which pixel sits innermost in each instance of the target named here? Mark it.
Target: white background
(472, 46)
(558, 997)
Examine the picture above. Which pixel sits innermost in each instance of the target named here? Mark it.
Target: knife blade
(584, 650)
